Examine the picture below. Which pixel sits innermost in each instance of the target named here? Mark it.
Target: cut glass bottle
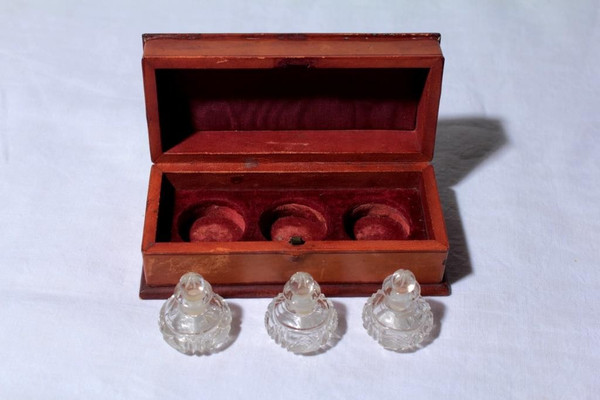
(396, 315)
(195, 320)
(301, 319)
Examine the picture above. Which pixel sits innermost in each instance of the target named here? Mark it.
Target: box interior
(279, 206)
(290, 110)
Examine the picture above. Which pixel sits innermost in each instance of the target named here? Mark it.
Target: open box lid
(292, 97)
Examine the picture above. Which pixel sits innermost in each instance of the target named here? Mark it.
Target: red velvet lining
(293, 220)
(286, 99)
(373, 221)
(210, 222)
(348, 214)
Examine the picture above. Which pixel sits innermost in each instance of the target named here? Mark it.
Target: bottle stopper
(301, 319)
(396, 315)
(195, 320)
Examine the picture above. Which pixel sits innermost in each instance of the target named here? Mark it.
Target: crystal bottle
(396, 315)
(301, 319)
(195, 320)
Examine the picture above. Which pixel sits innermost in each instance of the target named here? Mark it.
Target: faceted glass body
(195, 320)
(396, 315)
(301, 319)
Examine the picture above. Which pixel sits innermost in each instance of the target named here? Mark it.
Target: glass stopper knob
(195, 320)
(301, 319)
(396, 315)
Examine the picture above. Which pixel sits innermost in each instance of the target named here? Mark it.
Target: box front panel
(253, 268)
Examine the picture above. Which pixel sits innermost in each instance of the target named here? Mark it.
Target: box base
(270, 290)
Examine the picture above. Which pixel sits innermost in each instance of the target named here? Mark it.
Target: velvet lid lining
(287, 99)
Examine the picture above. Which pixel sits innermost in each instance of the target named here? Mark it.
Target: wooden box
(297, 152)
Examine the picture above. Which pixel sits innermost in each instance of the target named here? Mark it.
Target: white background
(517, 163)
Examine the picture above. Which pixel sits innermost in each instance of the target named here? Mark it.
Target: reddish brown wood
(309, 158)
(267, 261)
(320, 51)
(258, 45)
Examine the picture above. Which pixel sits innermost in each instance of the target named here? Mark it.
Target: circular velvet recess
(378, 222)
(293, 220)
(211, 223)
